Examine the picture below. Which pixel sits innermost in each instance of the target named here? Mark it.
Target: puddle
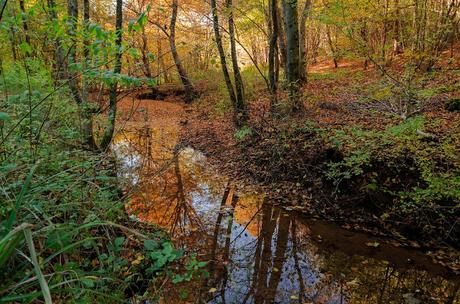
(259, 253)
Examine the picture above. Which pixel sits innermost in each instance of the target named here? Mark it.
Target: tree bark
(25, 25)
(60, 72)
(303, 42)
(291, 25)
(332, 47)
(72, 11)
(240, 103)
(86, 111)
(146, 61)
(281, 39)
(272, 54)
(145, 52)
(189, 89)
(2, 9)
(78, 94)
(108, 134)
(223, 60)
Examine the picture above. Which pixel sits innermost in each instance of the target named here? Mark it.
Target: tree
(239, 104)
(291, 27)
(189, 89)
(78, 93)
(303, 42)
(108, 134)
(2, 8)
(25, 25)
(223, 63)
(59, 60)
(273, 53)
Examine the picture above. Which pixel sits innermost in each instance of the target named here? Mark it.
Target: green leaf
(38, 272)
(4, 116)
(202, 264)
(88, 282)
(119, 241)
(151, 245)
(167, 248)
(25, 48)
(19, 199)
(178, 279)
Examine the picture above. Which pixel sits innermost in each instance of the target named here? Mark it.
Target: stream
(258, 253)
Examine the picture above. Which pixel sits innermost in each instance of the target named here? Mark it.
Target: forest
(230, 151)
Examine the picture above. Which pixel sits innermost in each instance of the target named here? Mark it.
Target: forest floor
(359, 182)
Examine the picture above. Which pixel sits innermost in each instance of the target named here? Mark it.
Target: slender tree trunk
(146, 61)
(145, 52)
(2, 8)
(86, 110)
(293, 57)
(397, 29)
(331, 46)
(281, 39)
(78, 94)
(108, 134)
(303, 42)
(385, 33)
(25, 25)
(272, 54)
(189, 89)
(240, 103)
(223, 60)
(60, 73)
(86, 45)
(72, 11)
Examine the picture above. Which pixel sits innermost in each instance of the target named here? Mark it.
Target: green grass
(63, 228)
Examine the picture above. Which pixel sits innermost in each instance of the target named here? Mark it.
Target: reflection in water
(258, 253)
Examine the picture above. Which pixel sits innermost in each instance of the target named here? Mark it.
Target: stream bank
(345, 159)
(256, 251)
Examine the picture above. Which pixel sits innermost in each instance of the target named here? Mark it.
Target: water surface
(260, 253)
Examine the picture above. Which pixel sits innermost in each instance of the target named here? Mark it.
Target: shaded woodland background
(342, 109)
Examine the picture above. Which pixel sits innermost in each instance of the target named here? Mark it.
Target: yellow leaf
(373, 244)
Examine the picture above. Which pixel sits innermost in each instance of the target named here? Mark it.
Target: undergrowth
(64, 233)
(402, 175)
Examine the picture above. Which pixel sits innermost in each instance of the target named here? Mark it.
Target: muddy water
(258, 253)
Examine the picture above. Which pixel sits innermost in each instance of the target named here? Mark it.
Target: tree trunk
(331, 46)
(86, 110)
(2, 8)
(145, 57)
(291, 26)
(240, 104)
(79, 97)
(189, 89)
(25, 25)
(72, 11)
(146, 61)
(86, 45)
(223, 60)
(108, 134)
(281, 39)
(272, 54)
(397, 42)
(303, 42)
(385, 34)
(60, 71)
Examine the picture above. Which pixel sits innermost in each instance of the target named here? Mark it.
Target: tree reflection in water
(258, 253)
